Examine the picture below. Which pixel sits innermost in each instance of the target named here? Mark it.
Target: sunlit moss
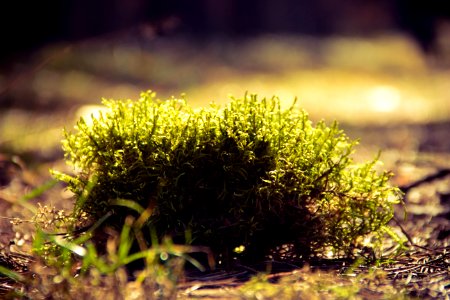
(250, 175)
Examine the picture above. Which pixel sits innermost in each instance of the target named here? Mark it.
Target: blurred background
(379, 67)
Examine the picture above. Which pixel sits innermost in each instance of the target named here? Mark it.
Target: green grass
(157, 183)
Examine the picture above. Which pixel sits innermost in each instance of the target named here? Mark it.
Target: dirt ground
(382, 91)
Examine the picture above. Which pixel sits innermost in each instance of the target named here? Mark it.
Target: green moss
(250, 173)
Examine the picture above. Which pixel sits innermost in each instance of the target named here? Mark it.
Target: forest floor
(381, 90)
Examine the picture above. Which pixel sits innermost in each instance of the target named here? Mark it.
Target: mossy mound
(249, 174)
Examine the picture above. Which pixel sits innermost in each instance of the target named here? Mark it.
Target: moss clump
(250, 174)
